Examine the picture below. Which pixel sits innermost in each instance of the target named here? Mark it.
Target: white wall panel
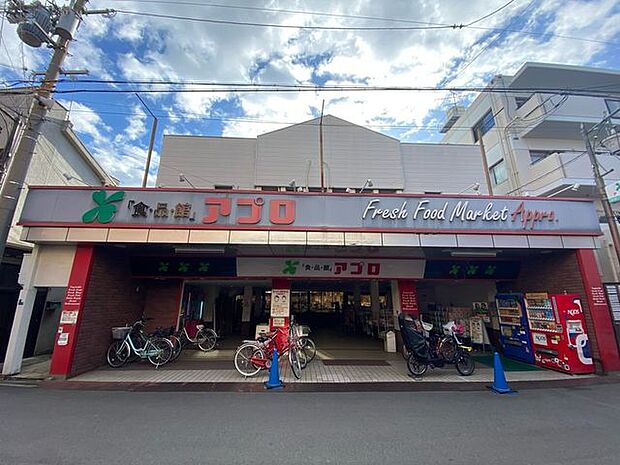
(54, 267)
(442, 168)
(207, 161)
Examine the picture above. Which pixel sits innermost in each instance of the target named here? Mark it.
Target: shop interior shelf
(540, 319)
(543, 307)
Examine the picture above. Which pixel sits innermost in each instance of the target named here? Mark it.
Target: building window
(538, 155)
(484, 125)
(223, 187)
(270, 188)
(498, 172)
(432, 192)
(520, 101)
(613, 106)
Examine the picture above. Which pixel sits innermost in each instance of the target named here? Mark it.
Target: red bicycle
(253, 356)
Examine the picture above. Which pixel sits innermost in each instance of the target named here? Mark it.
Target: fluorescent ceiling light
(473, 253)
(197, 250)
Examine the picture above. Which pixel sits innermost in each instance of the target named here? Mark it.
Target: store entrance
(231, 308)
(343, 314)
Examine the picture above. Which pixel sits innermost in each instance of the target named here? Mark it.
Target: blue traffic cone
(274, 381)
(499, 378)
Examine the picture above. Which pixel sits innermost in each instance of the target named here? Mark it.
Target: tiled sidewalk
(316, 372)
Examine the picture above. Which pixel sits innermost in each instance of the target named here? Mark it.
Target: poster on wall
(478, 331)
(481, 309)
(68, 317)
(408, 297)
(280, 303)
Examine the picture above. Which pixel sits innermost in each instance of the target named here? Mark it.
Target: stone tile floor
(194, 367)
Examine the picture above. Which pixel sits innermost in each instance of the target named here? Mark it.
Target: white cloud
(144, 48)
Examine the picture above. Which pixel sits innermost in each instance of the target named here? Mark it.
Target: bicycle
(306, 344)
(131, 340)
(254, 356)
(205, 339)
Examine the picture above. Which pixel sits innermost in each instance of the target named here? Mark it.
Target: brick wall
(555, 273)
(111, 300)
(162, 299)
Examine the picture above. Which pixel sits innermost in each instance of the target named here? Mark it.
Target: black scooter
(435, 351)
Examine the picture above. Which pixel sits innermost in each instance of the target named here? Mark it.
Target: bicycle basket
(302, 330)
(119, 333)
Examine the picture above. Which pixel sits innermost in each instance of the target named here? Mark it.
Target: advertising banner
(155, 208)
(340, 268)
(408, 297)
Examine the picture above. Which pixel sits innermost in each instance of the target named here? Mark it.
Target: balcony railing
(567, 168)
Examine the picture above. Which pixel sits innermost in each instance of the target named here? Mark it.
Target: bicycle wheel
(447, 349)
(307, 345)
(206, 339)
(293, 359)
(465, 365)
(118, 353)
(415, 366)
(243, 359)
(303, 360)
(177, 347)
(159, 350)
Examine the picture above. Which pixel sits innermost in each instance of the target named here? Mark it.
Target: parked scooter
(427, 348)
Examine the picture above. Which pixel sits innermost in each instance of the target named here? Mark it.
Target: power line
(496, 39)
(283, 26)
(428, 25)
(284, 88)
(491, 13)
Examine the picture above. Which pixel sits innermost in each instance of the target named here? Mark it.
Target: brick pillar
(599, 310)
(72, 310)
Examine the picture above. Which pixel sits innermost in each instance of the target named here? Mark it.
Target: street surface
(551, 426)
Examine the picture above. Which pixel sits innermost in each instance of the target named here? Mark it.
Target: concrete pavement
(547, 426)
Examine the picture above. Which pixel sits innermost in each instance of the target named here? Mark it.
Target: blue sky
(116, 128)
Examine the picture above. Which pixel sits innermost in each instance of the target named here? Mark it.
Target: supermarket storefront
(346, 261)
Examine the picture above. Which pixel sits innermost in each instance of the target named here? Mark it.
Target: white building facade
(60, 159)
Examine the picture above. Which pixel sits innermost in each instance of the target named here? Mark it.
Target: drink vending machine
(558, 330)
(514, 335)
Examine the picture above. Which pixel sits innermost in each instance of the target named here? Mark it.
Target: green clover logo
(290, 267)
(455, 270)
(203, 267)
(104, 211)
(472, 270)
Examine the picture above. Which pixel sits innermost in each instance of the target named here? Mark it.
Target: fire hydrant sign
(280, 303)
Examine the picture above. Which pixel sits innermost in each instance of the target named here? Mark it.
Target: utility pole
(151, 143)
(321, 148)
(42, 102)
(485, 163)
(600, 185)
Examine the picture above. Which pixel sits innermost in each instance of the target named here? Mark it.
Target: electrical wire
(490, 14)
(496, 39)
(376, 18)
(282, 26)
(431, 26)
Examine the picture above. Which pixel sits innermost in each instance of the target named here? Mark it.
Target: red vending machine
(558, 331)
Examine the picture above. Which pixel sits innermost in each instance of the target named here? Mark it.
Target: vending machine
(514, 335)
(558, 330)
